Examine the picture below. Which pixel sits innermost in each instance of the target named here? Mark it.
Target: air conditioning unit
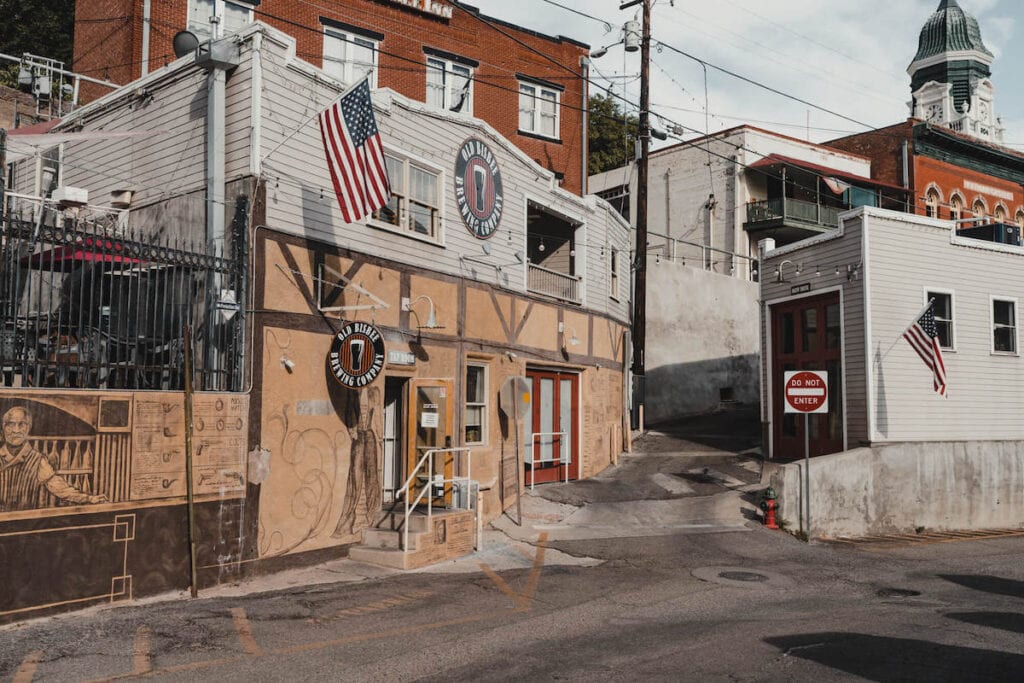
(464, 494)
(1002, 233)
(68, 197)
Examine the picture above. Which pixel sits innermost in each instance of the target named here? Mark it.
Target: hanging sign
(478, 190)
(357, 355)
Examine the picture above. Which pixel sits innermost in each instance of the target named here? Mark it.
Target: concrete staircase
(446, 535)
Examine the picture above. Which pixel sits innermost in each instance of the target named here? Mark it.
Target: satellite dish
(185, 42)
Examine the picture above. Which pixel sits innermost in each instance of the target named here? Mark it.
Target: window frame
(931, 203)
(218, 11)
(449, 66)
(930, 292)
(484, 379)
(536, 114)
(347, 65)
(402, 192)
(613, 273)
(956, 206)
(993, 299)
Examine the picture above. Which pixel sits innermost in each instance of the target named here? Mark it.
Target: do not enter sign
(806, 391)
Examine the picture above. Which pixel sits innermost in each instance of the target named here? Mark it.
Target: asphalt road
(584, 599)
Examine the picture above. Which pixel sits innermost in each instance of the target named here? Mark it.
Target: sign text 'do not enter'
(805, 391)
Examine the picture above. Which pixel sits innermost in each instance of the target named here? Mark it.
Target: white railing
(431, 481)
(553, 283)
(691, 253)
(535, 461)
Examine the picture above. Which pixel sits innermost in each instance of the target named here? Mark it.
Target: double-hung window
(942, 310)
(538, 109)
(613, 264)
(476, 403)
(1004, 325)
(449, 84)
(415, 203)
(217, 18)
(349, 55)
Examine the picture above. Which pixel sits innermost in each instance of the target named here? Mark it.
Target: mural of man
(364, 460)
(24, 471)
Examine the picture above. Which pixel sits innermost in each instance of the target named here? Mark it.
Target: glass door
(552, 444)
(430, 428)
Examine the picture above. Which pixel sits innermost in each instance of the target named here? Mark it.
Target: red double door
(807, 335)
(550, 430)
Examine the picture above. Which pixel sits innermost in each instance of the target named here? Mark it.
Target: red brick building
(530, 87)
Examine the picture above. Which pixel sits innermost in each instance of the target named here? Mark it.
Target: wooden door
(807, 335)
(552, 452)
(429, 427)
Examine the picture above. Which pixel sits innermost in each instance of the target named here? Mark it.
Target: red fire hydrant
(769, 506)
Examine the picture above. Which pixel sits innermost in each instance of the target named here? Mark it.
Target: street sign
(806, 391)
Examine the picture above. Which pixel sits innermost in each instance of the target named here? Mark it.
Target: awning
(824, 172)
(86, 251)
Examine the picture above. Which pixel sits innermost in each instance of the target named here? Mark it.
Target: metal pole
(807, 472)
(640, 293)
(190, 486)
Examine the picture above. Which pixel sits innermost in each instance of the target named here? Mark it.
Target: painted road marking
(28, 666)
(522, 601)
(244, 629)
(379, 606)
(141, 653)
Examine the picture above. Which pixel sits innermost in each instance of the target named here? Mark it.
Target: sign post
(806, 391)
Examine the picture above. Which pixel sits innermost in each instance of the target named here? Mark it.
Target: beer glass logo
(478, 188)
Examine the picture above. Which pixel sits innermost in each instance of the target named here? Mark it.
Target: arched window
(956, 207)
(932, 203)
(1019, 219)
(978, 208)
(1000, 214)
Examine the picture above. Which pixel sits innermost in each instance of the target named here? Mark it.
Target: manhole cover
(742, 576)
(897, 593)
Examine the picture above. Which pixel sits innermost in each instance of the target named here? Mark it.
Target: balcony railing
(553, 283)
(781, 209)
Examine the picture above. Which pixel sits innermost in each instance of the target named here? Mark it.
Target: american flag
(923, 337)
(355, 154)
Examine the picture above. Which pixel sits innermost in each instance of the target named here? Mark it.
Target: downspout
(584, 136)
(256, 109)
(147, 10)
(906, 175)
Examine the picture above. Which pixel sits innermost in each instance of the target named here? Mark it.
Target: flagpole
(913, 320)
(305, 123)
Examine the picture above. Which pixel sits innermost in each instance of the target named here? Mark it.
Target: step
(388, 539)
(383, 557)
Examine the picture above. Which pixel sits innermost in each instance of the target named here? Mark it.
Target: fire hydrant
(769, 506)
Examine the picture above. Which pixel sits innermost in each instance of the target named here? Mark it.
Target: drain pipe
(216, 57)
(147, 10)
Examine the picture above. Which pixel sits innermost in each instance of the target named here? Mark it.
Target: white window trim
(538, 89)
(348, 37)
(407, 160)
(615, 272)
(952, 312)
(218, 11)
(992, 326)
(484, 414)
(448, 68)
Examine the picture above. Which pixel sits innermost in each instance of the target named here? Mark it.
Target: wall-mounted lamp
(780, 275)
(431, 317)
(288, 364)
(852, 271)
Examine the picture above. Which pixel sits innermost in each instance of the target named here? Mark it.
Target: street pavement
(658, 569)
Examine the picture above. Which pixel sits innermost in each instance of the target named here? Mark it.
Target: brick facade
(108, 44)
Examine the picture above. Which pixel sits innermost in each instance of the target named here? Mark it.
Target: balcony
(796, 213)
(547, 282)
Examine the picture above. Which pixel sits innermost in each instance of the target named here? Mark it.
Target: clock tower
(950, 75)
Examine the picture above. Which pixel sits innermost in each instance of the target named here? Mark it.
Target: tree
(611, 133)
(41, 27)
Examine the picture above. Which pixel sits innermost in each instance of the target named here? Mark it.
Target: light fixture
(541, 247)
(486, 248)
(431, 317)
(288, 364)
(817, 270)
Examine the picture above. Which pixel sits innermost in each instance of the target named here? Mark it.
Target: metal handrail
(533, 462)
(432, 481)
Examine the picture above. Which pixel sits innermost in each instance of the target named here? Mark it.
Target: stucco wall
(702, 337)
(901, 487)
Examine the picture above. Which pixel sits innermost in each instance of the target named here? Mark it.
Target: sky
(849, 58)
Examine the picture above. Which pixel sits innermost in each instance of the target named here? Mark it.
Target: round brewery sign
(357, 355)
(478, 191)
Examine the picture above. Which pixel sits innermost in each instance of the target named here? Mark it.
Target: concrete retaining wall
(899, 487)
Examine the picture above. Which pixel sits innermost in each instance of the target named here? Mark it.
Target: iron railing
(427, 482)
(781, 208)
(92, 304)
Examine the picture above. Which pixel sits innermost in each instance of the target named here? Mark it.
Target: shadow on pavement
(880, 658)
(988, 584)
(1004, 621)
(733, 430)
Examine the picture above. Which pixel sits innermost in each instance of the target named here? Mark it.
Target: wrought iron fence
(87, 305)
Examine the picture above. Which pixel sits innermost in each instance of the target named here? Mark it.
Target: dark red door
(807, 335)
(553, 454)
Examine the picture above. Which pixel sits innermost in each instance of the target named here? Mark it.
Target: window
(618, 197)
(449, 85)
(1004, 325)
(538, 110)
(932, 203)
(613, 264)
(942, 309)
(230, 17)
(956, 207)
(476, 403)
(1019, 219)
(1000, 214)
(414, 206)
(978, 209)
(349, 56)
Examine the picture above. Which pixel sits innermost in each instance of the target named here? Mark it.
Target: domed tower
(949, 77)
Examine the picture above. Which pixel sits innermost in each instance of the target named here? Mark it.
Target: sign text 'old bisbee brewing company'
(357, 354)
(478, 191)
